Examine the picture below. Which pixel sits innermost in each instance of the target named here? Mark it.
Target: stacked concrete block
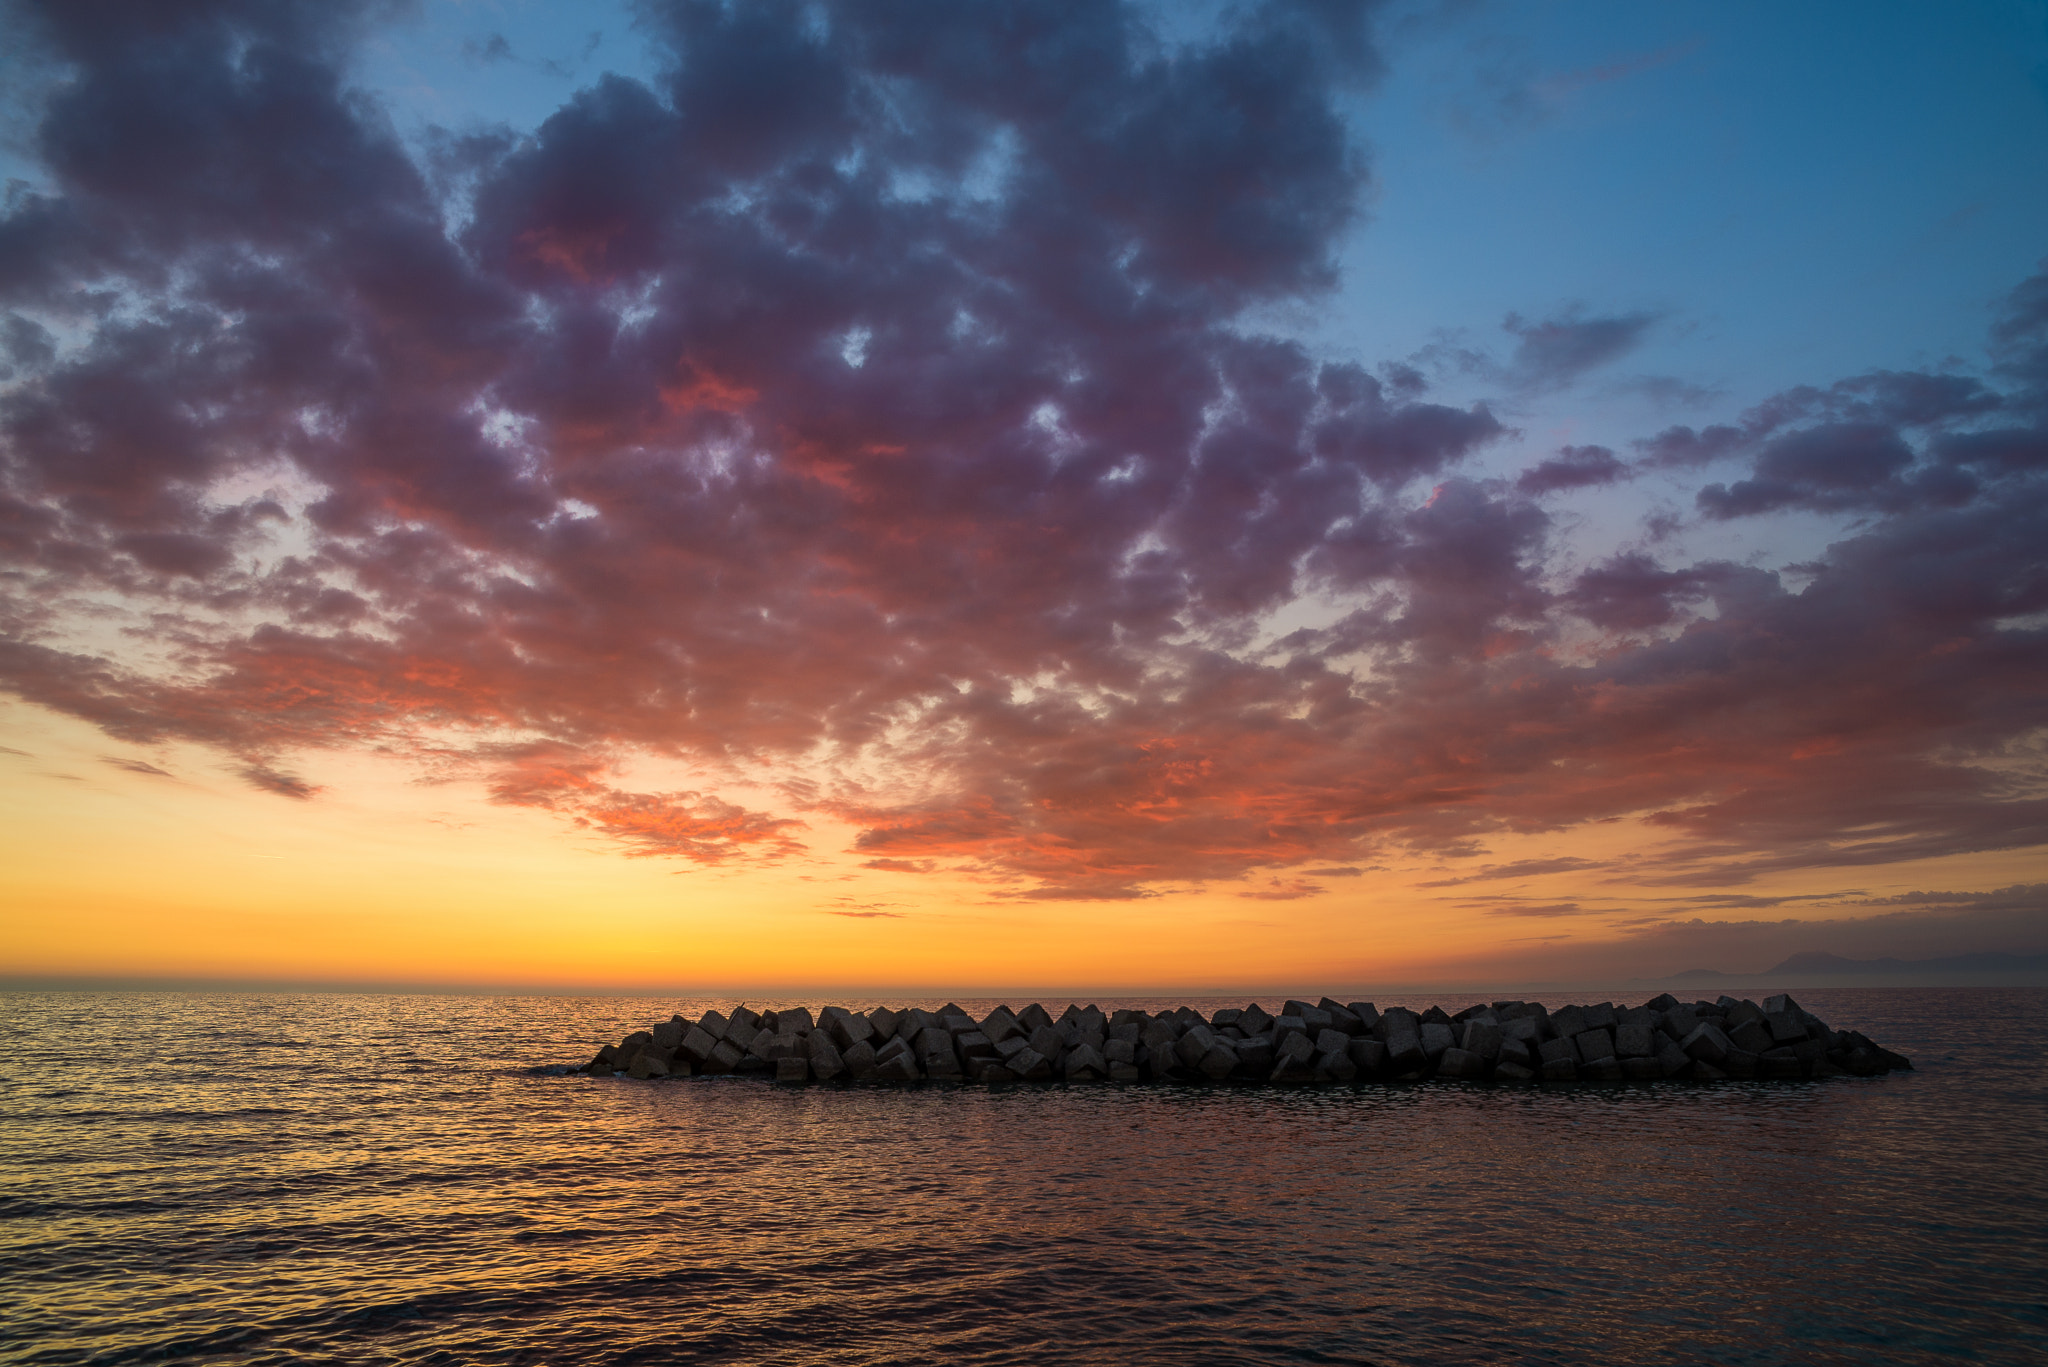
(1297, 1043)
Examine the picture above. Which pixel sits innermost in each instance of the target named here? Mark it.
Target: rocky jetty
(1327, 1042)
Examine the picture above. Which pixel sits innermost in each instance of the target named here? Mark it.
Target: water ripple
(283, 1179)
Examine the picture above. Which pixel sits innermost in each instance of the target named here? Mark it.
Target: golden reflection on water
(281, 1178)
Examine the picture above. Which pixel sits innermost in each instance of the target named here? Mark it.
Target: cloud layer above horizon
(869, 412)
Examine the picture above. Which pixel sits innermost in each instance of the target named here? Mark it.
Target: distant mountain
(1814, 964)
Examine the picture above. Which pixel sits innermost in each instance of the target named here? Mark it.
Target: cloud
(1284, 890)
(1540, 911)
(1573, 467)
(570, 462)
(134, 766)
(275, 781)
(1555, 351)
(1521, 868)
(868, 915)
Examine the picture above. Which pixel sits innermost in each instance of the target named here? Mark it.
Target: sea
(248, 1178)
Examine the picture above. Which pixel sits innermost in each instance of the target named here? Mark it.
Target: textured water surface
(330, 1178)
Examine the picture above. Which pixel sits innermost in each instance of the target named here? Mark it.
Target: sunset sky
(944, 494)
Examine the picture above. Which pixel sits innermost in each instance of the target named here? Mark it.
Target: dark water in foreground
(329, 1178)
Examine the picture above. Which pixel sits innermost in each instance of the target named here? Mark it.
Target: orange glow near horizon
(191, 872)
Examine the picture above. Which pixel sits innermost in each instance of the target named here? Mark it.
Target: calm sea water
(330, 1178)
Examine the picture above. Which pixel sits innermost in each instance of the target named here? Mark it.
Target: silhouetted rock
(1328, 1042)
(1461, 1063)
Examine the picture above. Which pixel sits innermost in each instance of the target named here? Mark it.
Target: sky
(949, 496)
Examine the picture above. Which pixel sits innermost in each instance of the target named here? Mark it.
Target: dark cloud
(1521, 868)
(1539, 911)
(276, 781)
(1573, 467)
(1555, 351)
(870, 409)
(135, 766)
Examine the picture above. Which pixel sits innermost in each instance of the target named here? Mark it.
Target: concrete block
(712, 1023)
(1404, 1049)
(1254, 1020)
(1047, 1041)
(745, 1015)
(1255, 1058)
(1706, 1044)
(1194, 1045)
(1641, 1069)
(1219, 1063)
(1505, 1071)
(793, 1069)
(742, 1034)
(1396, 1018)
(1672, 1061)
(725, 1057)
(1290, 1072)
(1029, 1064)
(1032, 1017)
(1368, 1014)
(860, 1060)
(1369, 1056)
(1159, 1034)
(669, 1035)
(698, 1044)
(1752, 1036)
(1601, 1016)
(1125, 1072)
(1527, 1029)
(1120, 1051)
(1516, 1051)
(1437, 1036)
(1289, 1025)
(1335, 1066)
(647, 1064)
(826, 1060)
(974, 1047)
(1781, 1005)
(1010, 1048)
(897, 1067)
(1635, 1041)
(1000, 1025)
(883, 1021)
(1559, 1069)
(1342, 1017)
(795, 1020)
(1461, 1063)
(1551, 1050)
(1707, 1072)
(1085, 1065)
(1742, 1013)
(1293, 1045)
(1225, 1017)
(1331, 1040)
(1738, 1063)
(848, 1029)
(1780, 1063)
(1601, 1070)
(1785, 1027)
(1568, 1021)
(1678, 1022)
(1482, 1037)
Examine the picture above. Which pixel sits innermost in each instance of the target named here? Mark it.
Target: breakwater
(1325, 1042)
